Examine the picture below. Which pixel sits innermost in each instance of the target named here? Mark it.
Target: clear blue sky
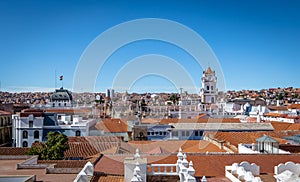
(257, 42)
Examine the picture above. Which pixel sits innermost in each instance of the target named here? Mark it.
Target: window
(196, 133)
(152, 133)
(148, 133)
(165, 133)
(187, 133)
(175, 133)
(30, 124)
(65, 104)
(207, 87)
(25, 144)
(160, 133)
(25, 134)
(36, 134)
(77, 133)
(212, 88)
(156, 133)
(183, 133)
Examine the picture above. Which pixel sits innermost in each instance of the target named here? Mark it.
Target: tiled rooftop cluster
(289, 95)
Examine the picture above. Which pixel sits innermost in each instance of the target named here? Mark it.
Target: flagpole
(55, 84)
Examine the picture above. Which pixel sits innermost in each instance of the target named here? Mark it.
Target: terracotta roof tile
(4, 113)
(90, 145)
(65, 163)
(236, 138)
(294, 106)
(112, 125)
(200, 120)
(198, 146)
(278, 108)
(108, 178)
(205, 165)
(13, 151)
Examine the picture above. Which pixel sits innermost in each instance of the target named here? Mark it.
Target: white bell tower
(209, 89)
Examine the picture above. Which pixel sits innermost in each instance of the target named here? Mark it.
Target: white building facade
(34, 127)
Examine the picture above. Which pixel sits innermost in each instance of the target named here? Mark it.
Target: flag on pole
(61, 77)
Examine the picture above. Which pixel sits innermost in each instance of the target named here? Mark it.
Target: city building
(110, 93)
(5, 129)
(193, 131)
(33, 125)
(209, 91)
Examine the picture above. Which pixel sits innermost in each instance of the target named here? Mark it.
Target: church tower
(209, 89)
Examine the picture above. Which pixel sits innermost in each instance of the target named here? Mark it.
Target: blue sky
(257, 43)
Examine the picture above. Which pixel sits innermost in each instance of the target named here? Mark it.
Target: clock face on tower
(209, 78)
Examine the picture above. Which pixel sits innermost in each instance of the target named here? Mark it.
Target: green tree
(174, 98)
(53, 149)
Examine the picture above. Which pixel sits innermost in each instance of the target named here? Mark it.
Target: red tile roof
(108, 178)
(272, 114)
(282, 126)
(195, 146)
(278, 108)
(205, 165)
(200, 120)
(13, 151)
(90, 145)
(112, 125)
(294, 106)
(65, 163)
(80, 150)
(69, 111)
(235, 138)
(4, 113)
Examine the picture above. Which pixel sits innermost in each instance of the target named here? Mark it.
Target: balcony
(162, 169)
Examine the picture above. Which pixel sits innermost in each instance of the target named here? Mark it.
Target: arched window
(77, 133)
(36, 134)
(25, 134)
(25, 144)
(213, 100)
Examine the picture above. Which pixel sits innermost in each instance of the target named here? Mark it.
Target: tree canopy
(52, 149)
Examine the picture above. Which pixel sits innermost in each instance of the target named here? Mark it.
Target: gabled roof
(266, 138)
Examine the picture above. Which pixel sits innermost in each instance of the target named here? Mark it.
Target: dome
(61, 95)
